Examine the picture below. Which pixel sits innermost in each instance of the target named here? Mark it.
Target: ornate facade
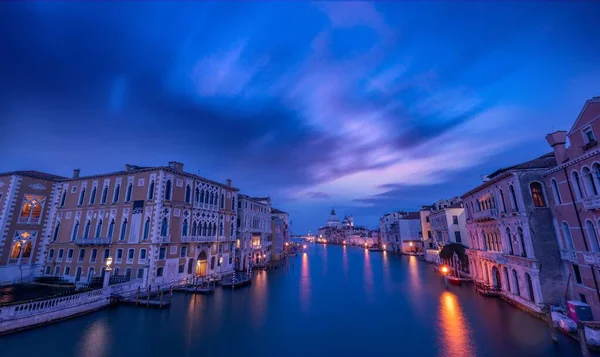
(254, 228)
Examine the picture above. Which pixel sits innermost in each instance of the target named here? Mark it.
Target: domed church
(333, 220)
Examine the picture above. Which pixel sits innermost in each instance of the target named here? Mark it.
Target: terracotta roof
(34, 174)
(545, 161)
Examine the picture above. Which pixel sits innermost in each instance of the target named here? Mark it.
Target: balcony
(592, 202)
(93, 241)
(143, 261)
(199, 239)
(165, 239)
(486, 214)
(568, 255)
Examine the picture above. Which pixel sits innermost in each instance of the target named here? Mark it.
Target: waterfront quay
(329, 300)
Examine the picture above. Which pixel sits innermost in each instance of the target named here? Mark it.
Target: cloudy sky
(365, 107)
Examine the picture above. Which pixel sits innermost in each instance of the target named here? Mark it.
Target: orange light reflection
(455, 333)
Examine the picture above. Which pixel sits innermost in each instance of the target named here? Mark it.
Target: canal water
(330, 301)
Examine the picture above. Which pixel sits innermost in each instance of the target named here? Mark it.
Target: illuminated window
(31, 209)
(537, 194)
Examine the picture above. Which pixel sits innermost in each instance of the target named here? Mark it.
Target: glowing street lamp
(384, 247)
(410, 243)
(304, 246)
(109, 261)
(444, 269)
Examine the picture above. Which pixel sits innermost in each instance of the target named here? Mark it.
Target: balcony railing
(144, 261)
(592, 202)
(165, 239)
(568, 255)
(486, 214)
(93, 241)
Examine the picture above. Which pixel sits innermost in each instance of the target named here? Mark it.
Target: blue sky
(365, 107)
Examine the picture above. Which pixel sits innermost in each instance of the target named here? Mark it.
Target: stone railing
(569, 255)
(486, 214)
(93, 241)
(592, 202)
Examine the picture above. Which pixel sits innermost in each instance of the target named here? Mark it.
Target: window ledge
(590, 144)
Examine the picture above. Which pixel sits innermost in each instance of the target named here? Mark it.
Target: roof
(35, 174)
(543, 162)
(275, 210)
(411, 215)
(590, 102)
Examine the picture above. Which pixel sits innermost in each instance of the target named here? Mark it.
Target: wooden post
(148, 297)
(548, 312)
(170, 294)
(585, 352)
(161, 298)
(137, 296)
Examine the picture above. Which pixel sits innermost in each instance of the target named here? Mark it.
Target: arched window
(478, 206)
(75, 231)
(592, 236)
(589, 182)
(184, 229)
(502, 201)
(129, 191)
(522, 241)
(577, 181)
(556, 192)
(509, 239)
(104, 194)
(197, 198)
(27, 249)
(531, 295)
(507, 278)
(517, 290)
(123, 229)
(567, 235)
(81, 196)
(56, 230)
(151, 190)
(15, 252)
(222, 201)
(190, 266)
(221, 229)
(202, 196)
(212, 197)
(111, 228)
(164, 227)
(99, 228)
(147, 228)
(168, 190)
(194, 229)
(67, 271)
(214, 233)
(537, 194)
(513, 198)
(116, 195)
(63, 198)
(93, 195)
(86, 231)
(206, 197)
(231, 231)
(205, 230)
(188, 194)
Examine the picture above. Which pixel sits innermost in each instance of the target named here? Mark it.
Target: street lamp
(109, 261)
(444, 269)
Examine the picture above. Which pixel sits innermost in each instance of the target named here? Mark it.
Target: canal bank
(330, 301)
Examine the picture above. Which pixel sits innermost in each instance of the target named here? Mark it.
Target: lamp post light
(445, 271)
(109, 261)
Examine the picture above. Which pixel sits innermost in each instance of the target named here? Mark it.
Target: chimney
(129, 167)
(76, 173)
(557, 141)
(228, 182)
(176, 165)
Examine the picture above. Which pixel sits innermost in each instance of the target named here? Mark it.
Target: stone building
(27, 208)
(156, 223)
(574, 190)
(254, 228)
(401, 231)
(511, 237)
(280, 231)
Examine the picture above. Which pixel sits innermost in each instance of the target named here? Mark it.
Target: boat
(487, 290)
(454, 280)
(236, 283)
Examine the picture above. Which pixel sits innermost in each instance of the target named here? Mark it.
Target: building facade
(448, 224)
(27, 208)
(574, 189)
(511, 236)
(254, 228)
(401, 231)
(160, 224)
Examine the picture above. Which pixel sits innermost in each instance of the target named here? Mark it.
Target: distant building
(401, 231)
(335, 232)
(512, 240)
(333, 220)
(280, 232)
(254, 231)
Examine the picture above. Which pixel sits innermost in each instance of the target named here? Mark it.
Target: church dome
(333, 220)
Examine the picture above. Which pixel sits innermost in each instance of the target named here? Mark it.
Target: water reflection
(95, 339)
(345, 261)
(455, 334)
(259, 299)
(368, 276)
(305, 284)
(387, 278)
